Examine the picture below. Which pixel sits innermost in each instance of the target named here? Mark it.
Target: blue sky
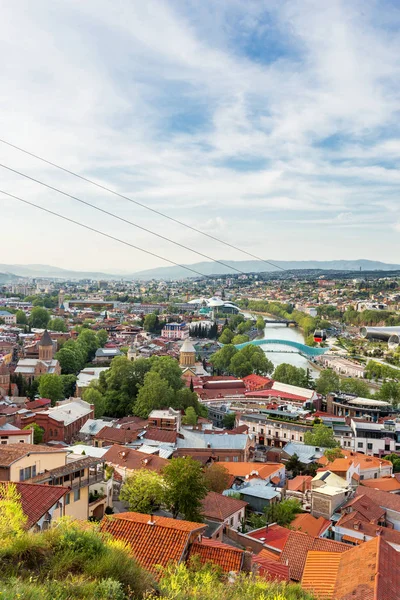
(272, 124)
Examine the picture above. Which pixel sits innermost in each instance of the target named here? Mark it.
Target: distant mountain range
(257, 266)
(13, 272)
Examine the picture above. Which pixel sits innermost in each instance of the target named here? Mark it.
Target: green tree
(102, 337)
(286, 373)
(321, 436)
(155, 393)
(355, 386)
(190, 417)
(144, 491)
(390, 392)
(93, 395)
(395, 460)
(22, 319)
(150, 322)
(38, 432)
(260, 323)
(186, 488)
(240, 338)
(69, 359)
(327, 382)
(52, 387)
(250, 359)
(294, 465)
(221, 359)
(168, 368)
(69, 385)
(283, 512)
(333, 453)
(229, 420)
(57, 324)
(226, 336)
(12, 516)
(87, 340)
(39, 318)
(217, 478)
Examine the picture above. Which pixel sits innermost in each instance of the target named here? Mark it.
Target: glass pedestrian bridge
(306, 351)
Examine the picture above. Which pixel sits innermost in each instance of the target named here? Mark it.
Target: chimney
(151, 520)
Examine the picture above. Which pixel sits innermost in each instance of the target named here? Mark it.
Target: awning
(352, 540)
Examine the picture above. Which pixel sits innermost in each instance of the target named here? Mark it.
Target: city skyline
(272, 125)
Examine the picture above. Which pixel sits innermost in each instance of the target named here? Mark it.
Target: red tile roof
(154, 544)
(269, 554)
(276, 394)
(127, 458)
(382, 499)
(218, 507)
(211, 551)
(298, 544)
(365, 507)
(273, 536)
(161, 435)
(301, 483)
(369, 572)
(256, 382)
(309, 524)
(384, 484)
(118, 436)
(10, 453)
(36, 499)
(271, 569)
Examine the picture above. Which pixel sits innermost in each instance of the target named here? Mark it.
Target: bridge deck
(307, 351)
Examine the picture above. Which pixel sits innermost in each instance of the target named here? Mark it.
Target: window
(269, 432)
(254, 428)
(262, 430)
(360, 444)
(227, 459)
(369, 446)
(67, 499)
(235, 459)
(375, 475)
(27, 473)
(284, 435)
(301, 438)
(77, 495)
(232, 522)
(292, 437)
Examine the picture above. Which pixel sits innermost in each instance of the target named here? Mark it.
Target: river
(281, 332)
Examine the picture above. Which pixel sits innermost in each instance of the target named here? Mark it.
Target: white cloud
(100, 88)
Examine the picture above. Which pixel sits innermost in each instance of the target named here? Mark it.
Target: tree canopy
(144, 491)
(51, 386)
(39, 318)
(327, 382)
(321, 436)
(186, 488)
(217, 478)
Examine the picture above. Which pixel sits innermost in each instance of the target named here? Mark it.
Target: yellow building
(51, 466)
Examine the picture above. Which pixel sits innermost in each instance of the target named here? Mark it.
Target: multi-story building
(63, 421)
(276, 430)
(7, 317)
(343, 366)
(175, 331)
(376, 439)
(349, 405)
(165, 419)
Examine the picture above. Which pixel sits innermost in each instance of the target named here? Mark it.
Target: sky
(272, 125)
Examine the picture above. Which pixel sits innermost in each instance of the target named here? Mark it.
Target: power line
(111, 237)
(157, 212)
(106, 212)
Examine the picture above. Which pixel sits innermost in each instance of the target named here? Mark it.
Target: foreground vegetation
(74, 561)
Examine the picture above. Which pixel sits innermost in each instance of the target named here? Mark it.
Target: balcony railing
(81, 482)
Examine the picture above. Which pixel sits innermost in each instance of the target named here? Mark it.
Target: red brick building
(62, 422)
